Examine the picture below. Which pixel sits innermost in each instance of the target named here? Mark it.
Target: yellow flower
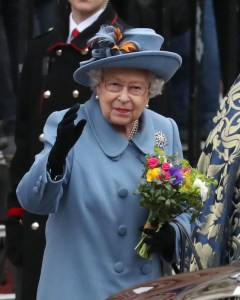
(188, 178)
(152, 173)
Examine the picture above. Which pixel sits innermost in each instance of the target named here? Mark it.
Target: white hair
(156, 84)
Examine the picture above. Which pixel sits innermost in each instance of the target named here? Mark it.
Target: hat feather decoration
(107, 42)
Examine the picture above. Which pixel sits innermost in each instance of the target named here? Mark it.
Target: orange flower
(127, 47)
(118, 34)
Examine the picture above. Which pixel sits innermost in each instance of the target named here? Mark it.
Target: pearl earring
(147, 106)
(97, 96)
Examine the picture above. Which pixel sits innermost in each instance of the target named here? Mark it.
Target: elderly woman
(91, 165)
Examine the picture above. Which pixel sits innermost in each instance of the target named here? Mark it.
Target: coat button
(41, 137)
(35, 190)
(59, 52)
(122, 230)
(145, 269)
(39, 182)
(118, 267)
(35, 226)
(122, 192)
(46, 94)
(75, 93)
(84, 51)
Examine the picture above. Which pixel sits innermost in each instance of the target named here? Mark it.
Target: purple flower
(175, 172)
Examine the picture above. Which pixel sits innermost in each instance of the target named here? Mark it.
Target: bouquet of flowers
(169, 187)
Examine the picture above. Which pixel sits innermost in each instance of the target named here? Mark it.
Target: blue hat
(134, 48)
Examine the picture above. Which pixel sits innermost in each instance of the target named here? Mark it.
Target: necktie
(75, 33)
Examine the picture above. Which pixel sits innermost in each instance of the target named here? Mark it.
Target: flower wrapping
(169, 187)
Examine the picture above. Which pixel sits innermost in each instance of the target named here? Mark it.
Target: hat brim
(163, 64)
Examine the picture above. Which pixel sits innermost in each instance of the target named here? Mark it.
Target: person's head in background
(83, 9)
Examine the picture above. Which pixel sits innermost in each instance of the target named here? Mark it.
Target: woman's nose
(124, 94)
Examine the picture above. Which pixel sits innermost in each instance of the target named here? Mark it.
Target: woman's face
(123, 95)
(83, 9)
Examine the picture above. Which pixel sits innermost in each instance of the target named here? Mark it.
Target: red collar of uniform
(77, 43)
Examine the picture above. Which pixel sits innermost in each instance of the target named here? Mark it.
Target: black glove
(162, 242)
(14, 235)
(67, 135)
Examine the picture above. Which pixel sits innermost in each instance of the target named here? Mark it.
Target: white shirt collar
(84, 24)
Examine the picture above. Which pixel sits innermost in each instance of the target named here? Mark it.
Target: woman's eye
(135, 87)
(113, 86)
(116, 84)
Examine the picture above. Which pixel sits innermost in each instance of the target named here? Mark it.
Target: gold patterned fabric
(218, 232)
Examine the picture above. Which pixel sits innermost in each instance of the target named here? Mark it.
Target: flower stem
(142, 248)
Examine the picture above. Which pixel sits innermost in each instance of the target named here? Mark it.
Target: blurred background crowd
(203, 32)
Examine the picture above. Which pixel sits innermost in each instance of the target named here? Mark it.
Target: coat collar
(81, 42)
(110, 141)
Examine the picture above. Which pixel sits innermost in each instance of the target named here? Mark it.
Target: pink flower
(166, 166)
(152, 162)
(167, 175)
(187, 169)
(164, 175)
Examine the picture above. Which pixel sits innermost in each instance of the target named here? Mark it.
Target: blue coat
(94, 217)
